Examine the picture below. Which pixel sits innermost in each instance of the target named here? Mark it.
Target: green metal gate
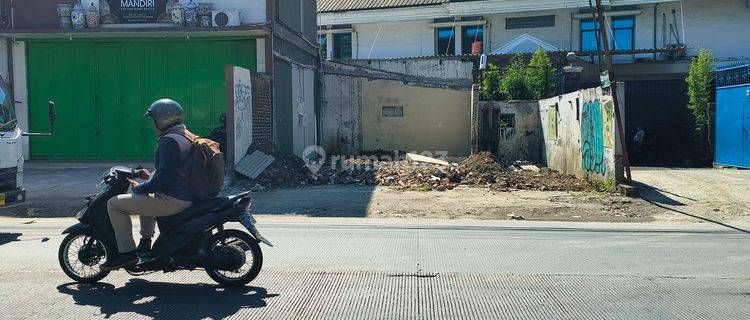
(103, 86)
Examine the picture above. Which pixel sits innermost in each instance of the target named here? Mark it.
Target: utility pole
(613, 85)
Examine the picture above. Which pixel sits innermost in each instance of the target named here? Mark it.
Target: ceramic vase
(92, 16)
(205, 21)
(178, 14)
(63, 10)
(191, 14)
(204, 13)
(78, 16)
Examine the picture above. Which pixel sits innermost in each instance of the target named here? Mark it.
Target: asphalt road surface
(349, 268)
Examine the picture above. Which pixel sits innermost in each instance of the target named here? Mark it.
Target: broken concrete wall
(366, 109)
(579, 134)
(512, 130)
(412, 118)
(435, 67)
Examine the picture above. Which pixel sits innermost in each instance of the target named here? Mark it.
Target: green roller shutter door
(102, 88)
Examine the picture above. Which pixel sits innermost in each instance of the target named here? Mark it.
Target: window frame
(611, 35)
(467, 49)
(323, 43)
(451, 42)
(335, 52)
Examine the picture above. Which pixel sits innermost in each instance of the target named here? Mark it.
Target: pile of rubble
(286, 170)
(417, 173)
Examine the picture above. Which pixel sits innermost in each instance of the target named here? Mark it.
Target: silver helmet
(165, 113)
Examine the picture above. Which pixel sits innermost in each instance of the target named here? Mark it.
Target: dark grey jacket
(171, 168)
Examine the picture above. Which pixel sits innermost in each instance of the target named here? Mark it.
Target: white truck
(11, 148)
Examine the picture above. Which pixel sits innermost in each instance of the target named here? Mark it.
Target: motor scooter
(190, 240)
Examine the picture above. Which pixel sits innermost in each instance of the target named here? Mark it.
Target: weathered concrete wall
(522, 140)
(433, 120)
(341, 114)
(579, 134)
(437, 67)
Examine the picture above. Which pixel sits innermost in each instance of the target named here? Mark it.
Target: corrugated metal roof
(353, 5)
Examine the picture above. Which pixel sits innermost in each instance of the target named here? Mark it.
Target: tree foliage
(539, 75)
(513, 82)
(491, 84)
(702, 71)
(519, 81)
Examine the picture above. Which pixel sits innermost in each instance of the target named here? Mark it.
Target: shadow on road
(8, 237)
(162, 300)
(319, 201)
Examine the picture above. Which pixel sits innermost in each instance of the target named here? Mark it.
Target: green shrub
(513, 82)
(491, 84)
(702, 70)
(538, 74)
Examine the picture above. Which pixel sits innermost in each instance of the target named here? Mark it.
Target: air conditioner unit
(225, 18)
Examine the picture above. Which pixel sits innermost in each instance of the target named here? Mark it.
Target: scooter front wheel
(81, 257)
(251, 257)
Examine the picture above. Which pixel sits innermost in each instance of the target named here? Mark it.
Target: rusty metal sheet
(253, 165)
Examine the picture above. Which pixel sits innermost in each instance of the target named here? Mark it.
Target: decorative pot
(63, 10)
(204, 13)
(78, 16)
(205, 21)
(191, 14)
(178, 14)
(204, 9)
(92, 16)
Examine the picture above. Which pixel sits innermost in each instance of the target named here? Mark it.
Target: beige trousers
(147, 207)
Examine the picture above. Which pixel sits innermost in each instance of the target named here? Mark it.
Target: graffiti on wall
(607, 123)
(592, 137)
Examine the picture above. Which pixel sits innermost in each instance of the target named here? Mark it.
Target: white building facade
(444, 27)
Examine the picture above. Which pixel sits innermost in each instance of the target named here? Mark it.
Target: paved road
(349, 268)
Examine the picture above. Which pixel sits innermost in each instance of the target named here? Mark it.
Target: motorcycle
(192, 239)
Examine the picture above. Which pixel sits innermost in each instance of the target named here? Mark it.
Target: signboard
(604, 77)
(135, 11)
(239, 112)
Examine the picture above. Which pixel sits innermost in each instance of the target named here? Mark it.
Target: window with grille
(393, 111)
(530, 22)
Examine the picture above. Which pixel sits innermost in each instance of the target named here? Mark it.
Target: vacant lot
(668, 194)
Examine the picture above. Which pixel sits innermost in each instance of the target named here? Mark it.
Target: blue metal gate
(733, 116)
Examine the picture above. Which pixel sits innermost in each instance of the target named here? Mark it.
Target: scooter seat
(198, 208)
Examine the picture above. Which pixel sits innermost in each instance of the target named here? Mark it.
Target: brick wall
(262, 89)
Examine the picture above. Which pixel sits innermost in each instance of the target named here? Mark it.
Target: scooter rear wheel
(81, 256)
(253, 258)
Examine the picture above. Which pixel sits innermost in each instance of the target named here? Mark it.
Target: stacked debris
(417, 173)
(347, 171)
(480, 169)
(286, 170)
(416, 176)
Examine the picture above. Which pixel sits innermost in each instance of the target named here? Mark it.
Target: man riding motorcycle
(165, 192)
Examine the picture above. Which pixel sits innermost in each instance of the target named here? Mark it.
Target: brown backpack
(206, 165)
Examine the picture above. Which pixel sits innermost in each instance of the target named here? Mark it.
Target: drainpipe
(656, 7)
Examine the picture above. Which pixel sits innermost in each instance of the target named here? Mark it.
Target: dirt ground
(691, 195)
(461, 202)
(715, 194)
